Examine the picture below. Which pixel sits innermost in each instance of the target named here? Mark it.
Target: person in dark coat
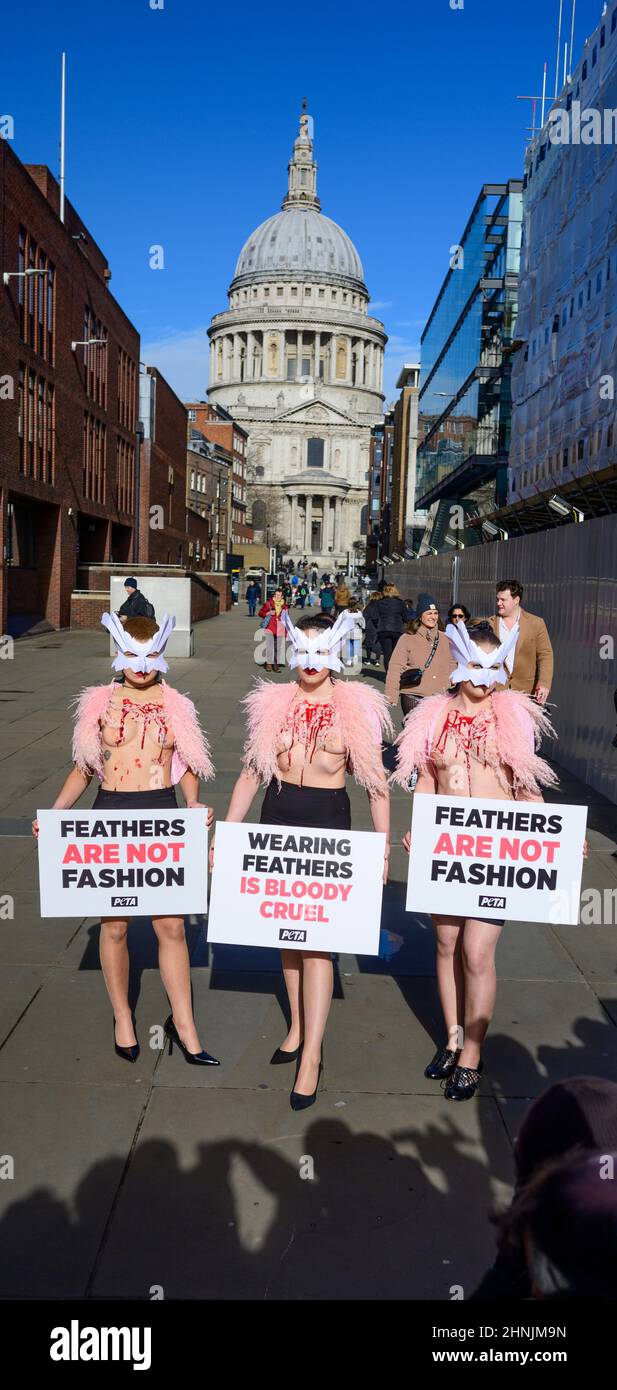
(392, 619)
(135, 605)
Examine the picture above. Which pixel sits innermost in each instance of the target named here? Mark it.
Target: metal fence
(569, 576)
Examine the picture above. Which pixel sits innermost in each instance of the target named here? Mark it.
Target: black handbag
(414, 675)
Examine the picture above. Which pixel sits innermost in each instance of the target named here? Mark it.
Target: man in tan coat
(531, 662)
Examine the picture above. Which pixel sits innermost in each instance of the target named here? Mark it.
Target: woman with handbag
(271, 614)
(421, 661)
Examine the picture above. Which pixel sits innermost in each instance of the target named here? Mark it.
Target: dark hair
(569, 1209)
(464, 611)
(483, 633)
(320, 623)
(513, 585)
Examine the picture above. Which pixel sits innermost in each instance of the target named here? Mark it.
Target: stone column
(337, 524)
(282, 355)
(307, 529)
(371, 381)
(212, 359)
(299, 357)
(250, 344)
(332, 376)
(349, 361)
(236, 357)
(294, 510)
(317, 356)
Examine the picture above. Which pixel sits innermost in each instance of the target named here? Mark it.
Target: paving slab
(69, 1146)
(215, 1204)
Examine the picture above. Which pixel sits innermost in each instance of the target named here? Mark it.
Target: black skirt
(316, 807)
(133, 801)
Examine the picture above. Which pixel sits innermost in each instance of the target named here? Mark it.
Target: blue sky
(181, 120)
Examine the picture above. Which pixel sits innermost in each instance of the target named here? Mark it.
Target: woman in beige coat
(421, 647)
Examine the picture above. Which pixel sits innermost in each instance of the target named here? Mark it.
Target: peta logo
(288, 934)
(124, 902)
(484, 901)
(75, 1343)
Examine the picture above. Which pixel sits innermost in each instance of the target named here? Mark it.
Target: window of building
(292, 368)
(294, 291)
(192, 414)
(307, 291)
(266, 291)
(334, 294)
(345, 296)
(594, 56)
(564, 315)
(572, 308)
(598, 282)
(279, 291)
(588, 290)
(580, 449)
(315, 453)
(603, 36)
(580, 299)
(321, 294)
(306, 366)
(584, 71)
(564, 461)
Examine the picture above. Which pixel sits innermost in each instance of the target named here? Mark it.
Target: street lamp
(19, 274)
(88, 342)
(494, 533)
(565, 509)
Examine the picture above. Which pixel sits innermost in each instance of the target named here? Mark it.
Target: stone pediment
(316, 412)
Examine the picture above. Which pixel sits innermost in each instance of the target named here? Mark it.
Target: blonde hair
(390, 591)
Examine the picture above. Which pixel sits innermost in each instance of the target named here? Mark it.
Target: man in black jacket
(135, 605)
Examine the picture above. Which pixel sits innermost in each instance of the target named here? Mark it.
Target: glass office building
(465, 402)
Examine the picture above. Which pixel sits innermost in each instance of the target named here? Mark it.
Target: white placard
(510, 859)
(312, 890)
(124, 863)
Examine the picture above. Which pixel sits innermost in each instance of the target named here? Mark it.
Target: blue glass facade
(465, 403)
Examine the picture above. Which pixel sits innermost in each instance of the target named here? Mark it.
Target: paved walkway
(160, 1176)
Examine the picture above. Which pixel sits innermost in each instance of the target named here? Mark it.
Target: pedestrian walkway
(164, 1180)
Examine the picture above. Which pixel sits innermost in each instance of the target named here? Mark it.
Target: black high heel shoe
(128, 1054)
(463, 1083)
(443, 1064)
(300, 1102)
(278, 1056)
(197, 1059)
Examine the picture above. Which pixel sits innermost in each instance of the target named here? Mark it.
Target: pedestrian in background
(327, 597)
(271, 614)
(459, 613)
(253, 593)
(342, 597)
(135, 605)
(302, 593)
(421, 661)
(530, 664)
(391, 621)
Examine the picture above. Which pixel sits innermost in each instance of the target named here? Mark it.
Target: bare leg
(176, 976)
(450, 979)
(479, 942)
(317, 985)
(114, 957)
(292, 972)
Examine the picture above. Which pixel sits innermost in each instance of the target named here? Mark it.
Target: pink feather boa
(191, 749)
(363, 718)
(521, 724)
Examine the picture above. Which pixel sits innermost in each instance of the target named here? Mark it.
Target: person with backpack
(303, 593)
(326, 598)
(135, 605)
(392, 618)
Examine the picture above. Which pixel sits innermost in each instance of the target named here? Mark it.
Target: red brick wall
(87, 610)
(222, 584)
(79, 282)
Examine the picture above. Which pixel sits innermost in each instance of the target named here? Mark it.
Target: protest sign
(124, 863)
(490, 859)
(313, 890)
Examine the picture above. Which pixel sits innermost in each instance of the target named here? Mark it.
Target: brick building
(67, 409)
(170, 530)
(208, 492)
(77, 484)
(220, 428)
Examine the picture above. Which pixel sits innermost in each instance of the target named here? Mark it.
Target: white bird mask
(491, 660)
(321, 649)
(139, 656)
